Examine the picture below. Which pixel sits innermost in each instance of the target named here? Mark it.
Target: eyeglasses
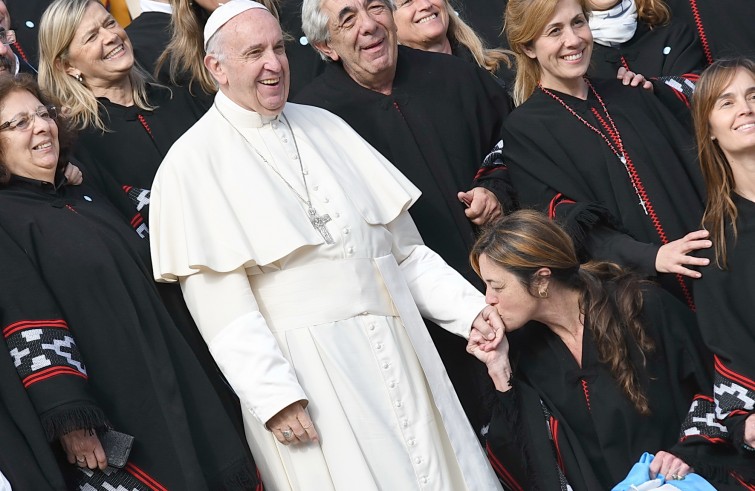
(7, 37)
(24, 121)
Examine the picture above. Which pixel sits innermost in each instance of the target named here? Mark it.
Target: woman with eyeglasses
(93, 345)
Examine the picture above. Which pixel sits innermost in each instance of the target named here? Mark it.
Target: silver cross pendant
(318, 222)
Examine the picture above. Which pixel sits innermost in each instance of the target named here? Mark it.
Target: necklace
(318, 221)
(613, 131)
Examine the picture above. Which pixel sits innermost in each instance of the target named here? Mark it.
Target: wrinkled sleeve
(440, 292)
(239, 339)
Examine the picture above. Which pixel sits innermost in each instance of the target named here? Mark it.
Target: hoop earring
(543, 293)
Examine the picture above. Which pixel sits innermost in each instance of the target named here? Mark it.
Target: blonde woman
(433, 25)
(606, 158)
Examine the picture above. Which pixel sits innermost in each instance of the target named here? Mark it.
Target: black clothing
(485, 17)
(89, 277)
(597, 433)
(561, 167)
(724, 308)
(149, 34)
(443, 116)
(304, 62)
(670, 49)
(724, 28)
(126, 157)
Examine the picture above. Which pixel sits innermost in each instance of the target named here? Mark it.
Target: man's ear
(213, 65)
(325, 49)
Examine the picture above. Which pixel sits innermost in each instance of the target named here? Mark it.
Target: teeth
(573, 57)
(269, 81)
(428, 18)
(43, 146)
(114, 52)
(745, 126)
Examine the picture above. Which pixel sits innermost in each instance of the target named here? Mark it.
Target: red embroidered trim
(554, 435)
(586, 390)
(507, 478)
(260, 486)
(701, 31)
(145, 478)
(26, 324)
(51, 372)
(487, 170)
(145, 125)
(712, 440)
(749, 487)
(137, 220)
(557, 200)
(20, 51)
(624, 63)
(640, 187)
(731, 374)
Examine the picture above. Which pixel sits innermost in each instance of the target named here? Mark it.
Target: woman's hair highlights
(611, 299)
(56, 31)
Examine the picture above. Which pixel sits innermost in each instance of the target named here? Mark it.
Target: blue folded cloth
(640, 474)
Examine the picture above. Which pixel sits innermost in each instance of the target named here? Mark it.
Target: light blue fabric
(640, 474)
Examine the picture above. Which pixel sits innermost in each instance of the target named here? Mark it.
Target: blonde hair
(185, 51)
(525, 20)
(56, 30)
(720, 210)
(460, 32)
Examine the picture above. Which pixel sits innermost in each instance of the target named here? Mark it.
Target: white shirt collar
(153, 6)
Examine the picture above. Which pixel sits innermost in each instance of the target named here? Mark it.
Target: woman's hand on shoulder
(671, 467)
(674, 256)
(634, 79)
(83, 448)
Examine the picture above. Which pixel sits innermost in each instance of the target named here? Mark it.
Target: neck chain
(317, 221)
(614, 142)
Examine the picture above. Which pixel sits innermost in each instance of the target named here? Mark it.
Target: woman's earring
(543, 293)
(79, 78)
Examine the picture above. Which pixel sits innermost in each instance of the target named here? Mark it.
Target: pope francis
(298, 259)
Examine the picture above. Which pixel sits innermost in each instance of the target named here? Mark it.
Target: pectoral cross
(318, 222)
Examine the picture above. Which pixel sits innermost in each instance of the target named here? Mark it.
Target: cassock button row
(315, 187)
(338, 215)
(284, 139)
(418, 460)
(346, 231)
(386, 366)
(274, 125)
(424, 480)
(405, 423)
(350, 250)
(412, 442)
(392, 384)
(305, 171)
(325, 200)
(296, 157)
(378, 346)
(398, 404)
(372, 326)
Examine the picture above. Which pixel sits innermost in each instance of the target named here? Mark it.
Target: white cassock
(289, 317)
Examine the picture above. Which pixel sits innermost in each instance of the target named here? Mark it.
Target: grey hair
(215, 44)
(314, 23)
